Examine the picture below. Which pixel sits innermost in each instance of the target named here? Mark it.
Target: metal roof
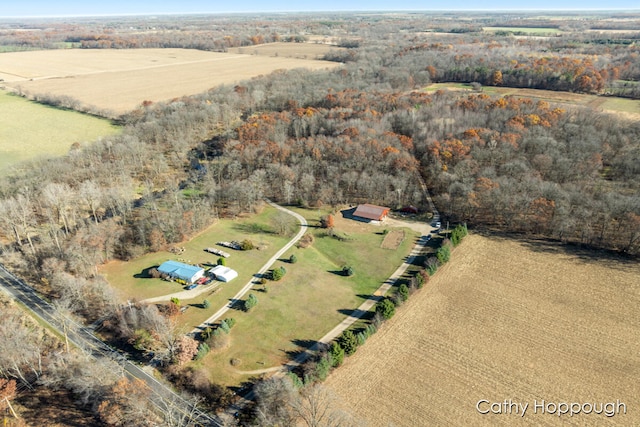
(372, 212)
(179, 269)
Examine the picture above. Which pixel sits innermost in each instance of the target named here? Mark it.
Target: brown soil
(505, 319)
(392, 240)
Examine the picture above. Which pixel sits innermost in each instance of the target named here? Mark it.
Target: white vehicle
(438, 224)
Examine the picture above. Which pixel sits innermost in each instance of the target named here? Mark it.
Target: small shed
(223, 274)
(371, 213)
(179, 270)
(409, 209)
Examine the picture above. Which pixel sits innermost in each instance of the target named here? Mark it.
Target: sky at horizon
(42, 8)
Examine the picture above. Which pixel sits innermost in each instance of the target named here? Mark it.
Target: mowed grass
(29, 130)
(131, 281)
(621, 104)
(309, 301)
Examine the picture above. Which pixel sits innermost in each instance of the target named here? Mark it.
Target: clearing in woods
(289, 50)
(629, 108)
(506, 319)
(119, 80)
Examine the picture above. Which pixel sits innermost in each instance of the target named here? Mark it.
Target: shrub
(250, 302)
(377, 320)
(224, 326)
(347, 271)
(206, 304)
(458, 233)
(218, 340)
(247, 245)
(386, 308)
(396, 299)
(424, 276)
(278, 273)
(371, 329)
(222, 261)
(327, 221)
(348, 342)
(443, 254)
(230, 321)
(361, 337)
(295, 380)
(203, 349)
(175, 301)
(322, 368)
(336, 352)
(154, 273)
(206, 333)
(305, 241)
(293, 259)
(403, 292)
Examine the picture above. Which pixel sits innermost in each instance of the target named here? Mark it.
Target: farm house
(371, 213)
(223, 274)
(179, 270)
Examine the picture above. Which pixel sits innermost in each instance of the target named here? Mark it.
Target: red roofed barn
(368, 212)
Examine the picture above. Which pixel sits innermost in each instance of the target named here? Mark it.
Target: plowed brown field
(120, 80)
(505, 320)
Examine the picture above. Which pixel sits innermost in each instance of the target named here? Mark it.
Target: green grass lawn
(309, 301)
(30, 130)
(621, 104)
(129, 280)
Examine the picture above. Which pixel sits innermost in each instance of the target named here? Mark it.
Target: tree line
(362, 132)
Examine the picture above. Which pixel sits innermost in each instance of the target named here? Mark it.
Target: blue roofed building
(179, 270)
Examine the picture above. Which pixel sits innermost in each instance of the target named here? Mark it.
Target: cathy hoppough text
(542, 407)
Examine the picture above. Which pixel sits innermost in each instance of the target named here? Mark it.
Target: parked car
(191, 286)
(438, 225)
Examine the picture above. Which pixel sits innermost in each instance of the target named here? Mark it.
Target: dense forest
(366, 131)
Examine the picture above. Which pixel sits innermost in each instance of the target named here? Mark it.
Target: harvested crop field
(505, 320)
(120, 80)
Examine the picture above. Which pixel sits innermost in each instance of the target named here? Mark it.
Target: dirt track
(504, 320)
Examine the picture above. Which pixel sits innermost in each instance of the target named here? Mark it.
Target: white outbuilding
(223, 274)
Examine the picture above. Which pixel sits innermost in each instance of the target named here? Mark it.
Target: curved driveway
(246, 288)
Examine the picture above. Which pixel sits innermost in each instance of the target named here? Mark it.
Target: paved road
(82, 337)
(246, 288)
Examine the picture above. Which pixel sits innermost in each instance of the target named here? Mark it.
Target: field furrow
(505, 320)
